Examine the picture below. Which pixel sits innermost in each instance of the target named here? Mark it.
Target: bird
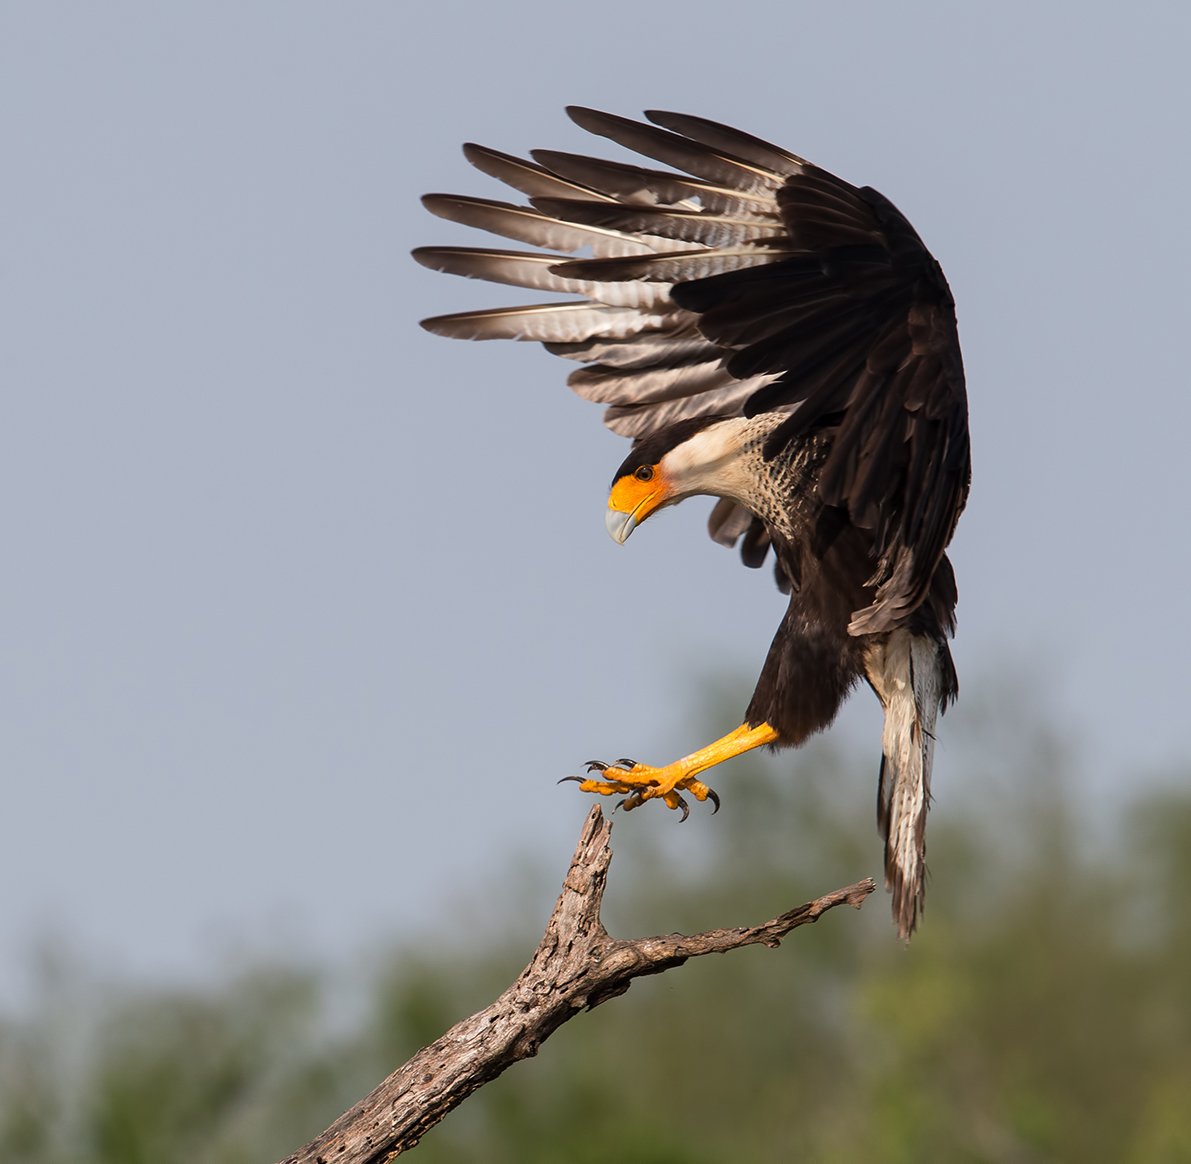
(773, 336)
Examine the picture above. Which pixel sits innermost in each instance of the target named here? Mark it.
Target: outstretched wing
(750, 281)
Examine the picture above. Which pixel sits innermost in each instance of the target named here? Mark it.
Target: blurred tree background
(1043, 1012)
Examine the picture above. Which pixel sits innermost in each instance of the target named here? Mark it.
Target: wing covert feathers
(740, 280)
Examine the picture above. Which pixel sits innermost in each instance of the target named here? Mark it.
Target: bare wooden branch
(577, 966)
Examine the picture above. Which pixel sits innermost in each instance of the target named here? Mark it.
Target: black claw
(596, 766)
(577, 779)
(626, 764)
(685, 810)
(714, 800)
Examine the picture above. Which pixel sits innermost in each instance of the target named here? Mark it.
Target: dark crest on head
(654, 447)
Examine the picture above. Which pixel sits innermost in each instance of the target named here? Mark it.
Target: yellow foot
(637, 783)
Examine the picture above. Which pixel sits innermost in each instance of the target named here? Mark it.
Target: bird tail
(915, 680)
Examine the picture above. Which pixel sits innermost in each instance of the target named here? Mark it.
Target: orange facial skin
(633, 498)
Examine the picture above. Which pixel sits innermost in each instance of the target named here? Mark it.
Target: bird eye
(645, 473)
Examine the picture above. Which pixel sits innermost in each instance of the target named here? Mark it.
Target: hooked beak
(620, 525)
(631, 501)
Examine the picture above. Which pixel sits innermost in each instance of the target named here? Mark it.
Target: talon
(637, 783)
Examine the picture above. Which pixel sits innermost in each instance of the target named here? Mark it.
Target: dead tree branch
(577, 966)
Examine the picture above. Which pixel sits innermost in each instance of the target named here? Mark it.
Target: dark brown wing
(752, 281)
(863, 345)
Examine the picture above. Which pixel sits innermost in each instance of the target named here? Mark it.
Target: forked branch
(576, 966)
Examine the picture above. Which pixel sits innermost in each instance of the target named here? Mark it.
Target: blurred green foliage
(1043, 1012)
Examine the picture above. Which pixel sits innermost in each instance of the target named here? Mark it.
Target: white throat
(719, 459)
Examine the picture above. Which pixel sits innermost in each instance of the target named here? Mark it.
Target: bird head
(695, 456)
(635, 495)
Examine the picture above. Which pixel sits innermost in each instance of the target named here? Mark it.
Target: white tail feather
(907, 672)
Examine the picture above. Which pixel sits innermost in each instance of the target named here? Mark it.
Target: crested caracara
(777, 338)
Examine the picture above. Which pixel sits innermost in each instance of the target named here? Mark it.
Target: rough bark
(576, 966)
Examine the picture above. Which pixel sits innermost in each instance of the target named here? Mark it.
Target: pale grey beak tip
(620, 525)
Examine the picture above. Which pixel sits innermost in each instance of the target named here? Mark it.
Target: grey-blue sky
(306, 608)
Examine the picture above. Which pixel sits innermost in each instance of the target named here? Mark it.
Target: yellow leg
(638, 783)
